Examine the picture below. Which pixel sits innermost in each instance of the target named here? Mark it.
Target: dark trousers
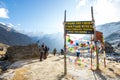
(41, 56)
(45, 55)
(78, 54)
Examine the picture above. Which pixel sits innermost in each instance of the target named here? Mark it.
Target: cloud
(81, 3)
(105, 11)
(18, 24)
(3, 13)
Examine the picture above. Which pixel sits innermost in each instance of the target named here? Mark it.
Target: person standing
(78, 52)
(62, 51)
(45, 52)
(41, 51)
(54, 51)
(48, 51)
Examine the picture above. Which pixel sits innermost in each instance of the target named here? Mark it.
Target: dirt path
(52, 69)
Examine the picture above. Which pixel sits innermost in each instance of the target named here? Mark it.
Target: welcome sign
(79, 27)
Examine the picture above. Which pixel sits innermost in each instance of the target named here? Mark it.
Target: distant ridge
(111, 33)
(11, 37)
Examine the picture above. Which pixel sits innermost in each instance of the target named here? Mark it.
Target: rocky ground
(53, 69)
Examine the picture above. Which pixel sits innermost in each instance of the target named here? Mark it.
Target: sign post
(80, 27)
(103, 43)
(91, 52)
(65, 65)
(97, 58)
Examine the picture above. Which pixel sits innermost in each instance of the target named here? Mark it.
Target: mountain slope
(11, 37)
(114, 36)
(109, 28)
(52, 40)
(111, 32)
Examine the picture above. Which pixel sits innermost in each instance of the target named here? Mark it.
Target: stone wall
(22, 52)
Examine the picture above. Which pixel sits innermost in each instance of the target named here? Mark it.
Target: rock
(22, 52)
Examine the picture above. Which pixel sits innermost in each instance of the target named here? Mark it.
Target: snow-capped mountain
(111, 32)
(11, 37)
(109, 28)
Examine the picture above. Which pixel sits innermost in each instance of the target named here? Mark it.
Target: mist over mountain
(11, 37)
(111, 32)
(51, 40)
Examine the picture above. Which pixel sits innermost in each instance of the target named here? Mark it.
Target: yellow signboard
(79, 27)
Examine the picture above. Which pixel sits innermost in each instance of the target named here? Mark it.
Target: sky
(38, 17)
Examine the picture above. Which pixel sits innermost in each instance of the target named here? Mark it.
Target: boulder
(22, 52)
